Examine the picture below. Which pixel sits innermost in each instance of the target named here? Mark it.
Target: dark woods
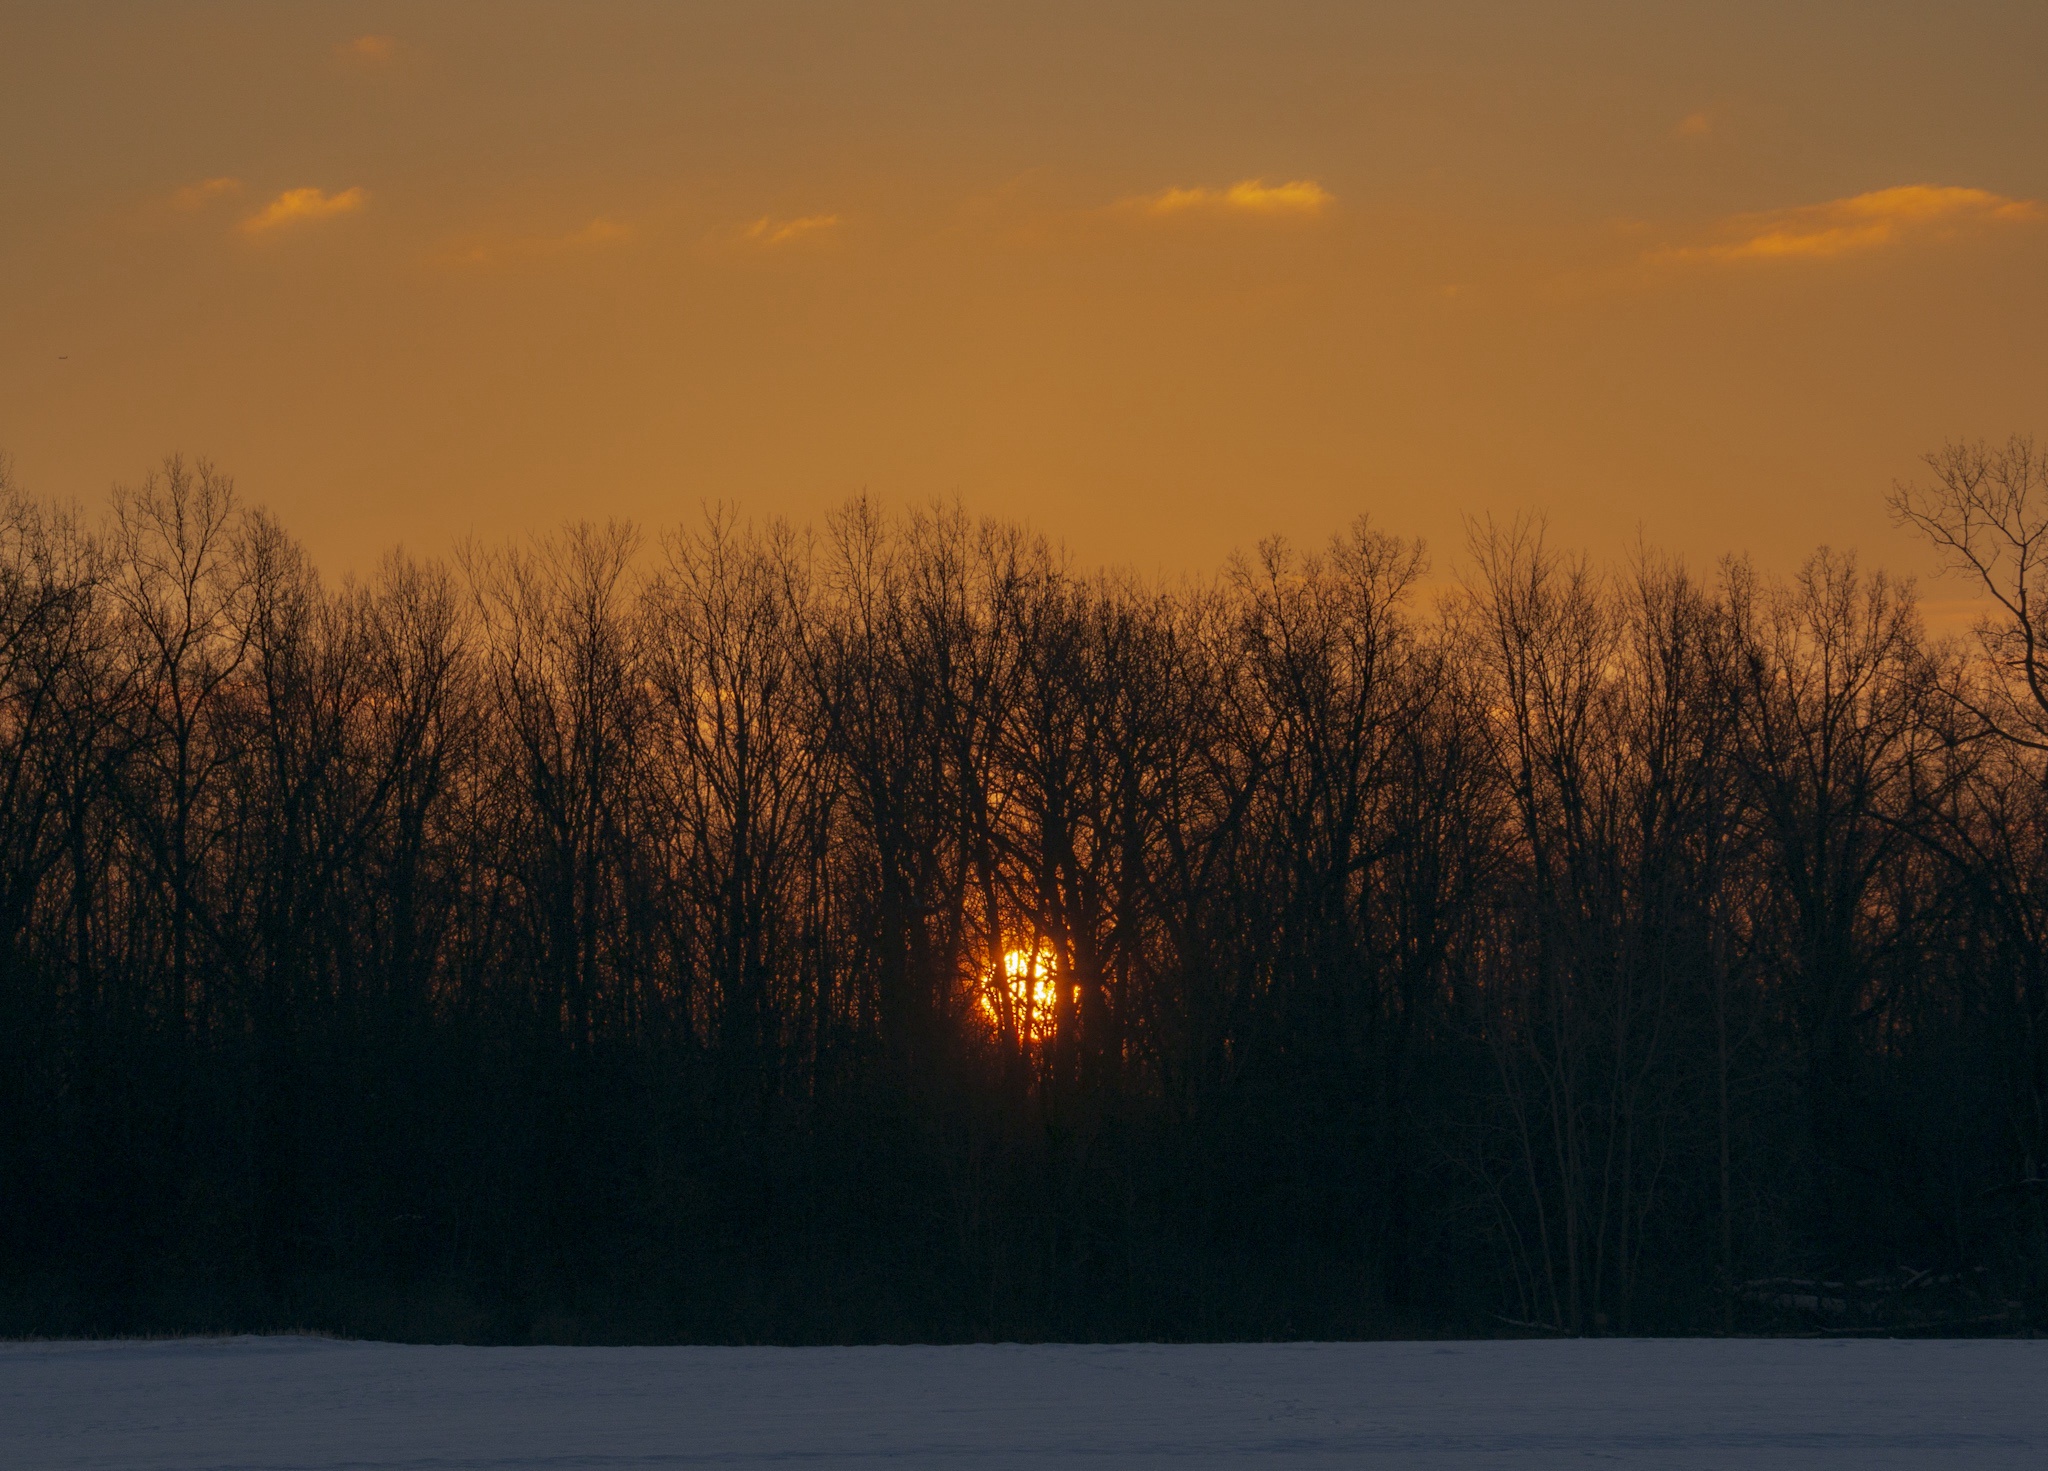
(896, 934)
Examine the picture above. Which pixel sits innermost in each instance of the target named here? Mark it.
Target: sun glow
(1033, 993)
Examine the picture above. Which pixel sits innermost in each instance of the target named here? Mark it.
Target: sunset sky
(1161, 278)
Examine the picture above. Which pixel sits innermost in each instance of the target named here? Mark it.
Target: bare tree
(181, 596)
(1986, 511)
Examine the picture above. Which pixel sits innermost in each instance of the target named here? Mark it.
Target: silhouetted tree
(901, 933)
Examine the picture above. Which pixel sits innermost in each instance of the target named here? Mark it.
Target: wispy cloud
(600, 232)
(770, 232)
(1297, 197)
(1857, 224)
(1695, 125)
(367, 50)
(206, 191)
(297, 206)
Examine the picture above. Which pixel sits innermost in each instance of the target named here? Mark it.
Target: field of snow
(313, 1405)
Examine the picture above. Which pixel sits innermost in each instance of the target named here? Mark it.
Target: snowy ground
(305, 1403)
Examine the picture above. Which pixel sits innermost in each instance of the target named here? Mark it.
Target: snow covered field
(306, 1403)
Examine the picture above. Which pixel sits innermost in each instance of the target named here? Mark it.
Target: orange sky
(1161, 278)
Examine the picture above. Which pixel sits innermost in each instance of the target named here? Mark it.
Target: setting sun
(1033, 994)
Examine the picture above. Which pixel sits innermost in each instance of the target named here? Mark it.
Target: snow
(315, 1405)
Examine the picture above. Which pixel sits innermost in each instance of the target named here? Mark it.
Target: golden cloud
(1695, 125)
(599, 232)
(765, 231)
(1298, 197)
(296, 206)
(368, 50)
(1862, 222)
(205, 192)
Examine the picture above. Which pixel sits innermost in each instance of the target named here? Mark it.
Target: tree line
(891, 931)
